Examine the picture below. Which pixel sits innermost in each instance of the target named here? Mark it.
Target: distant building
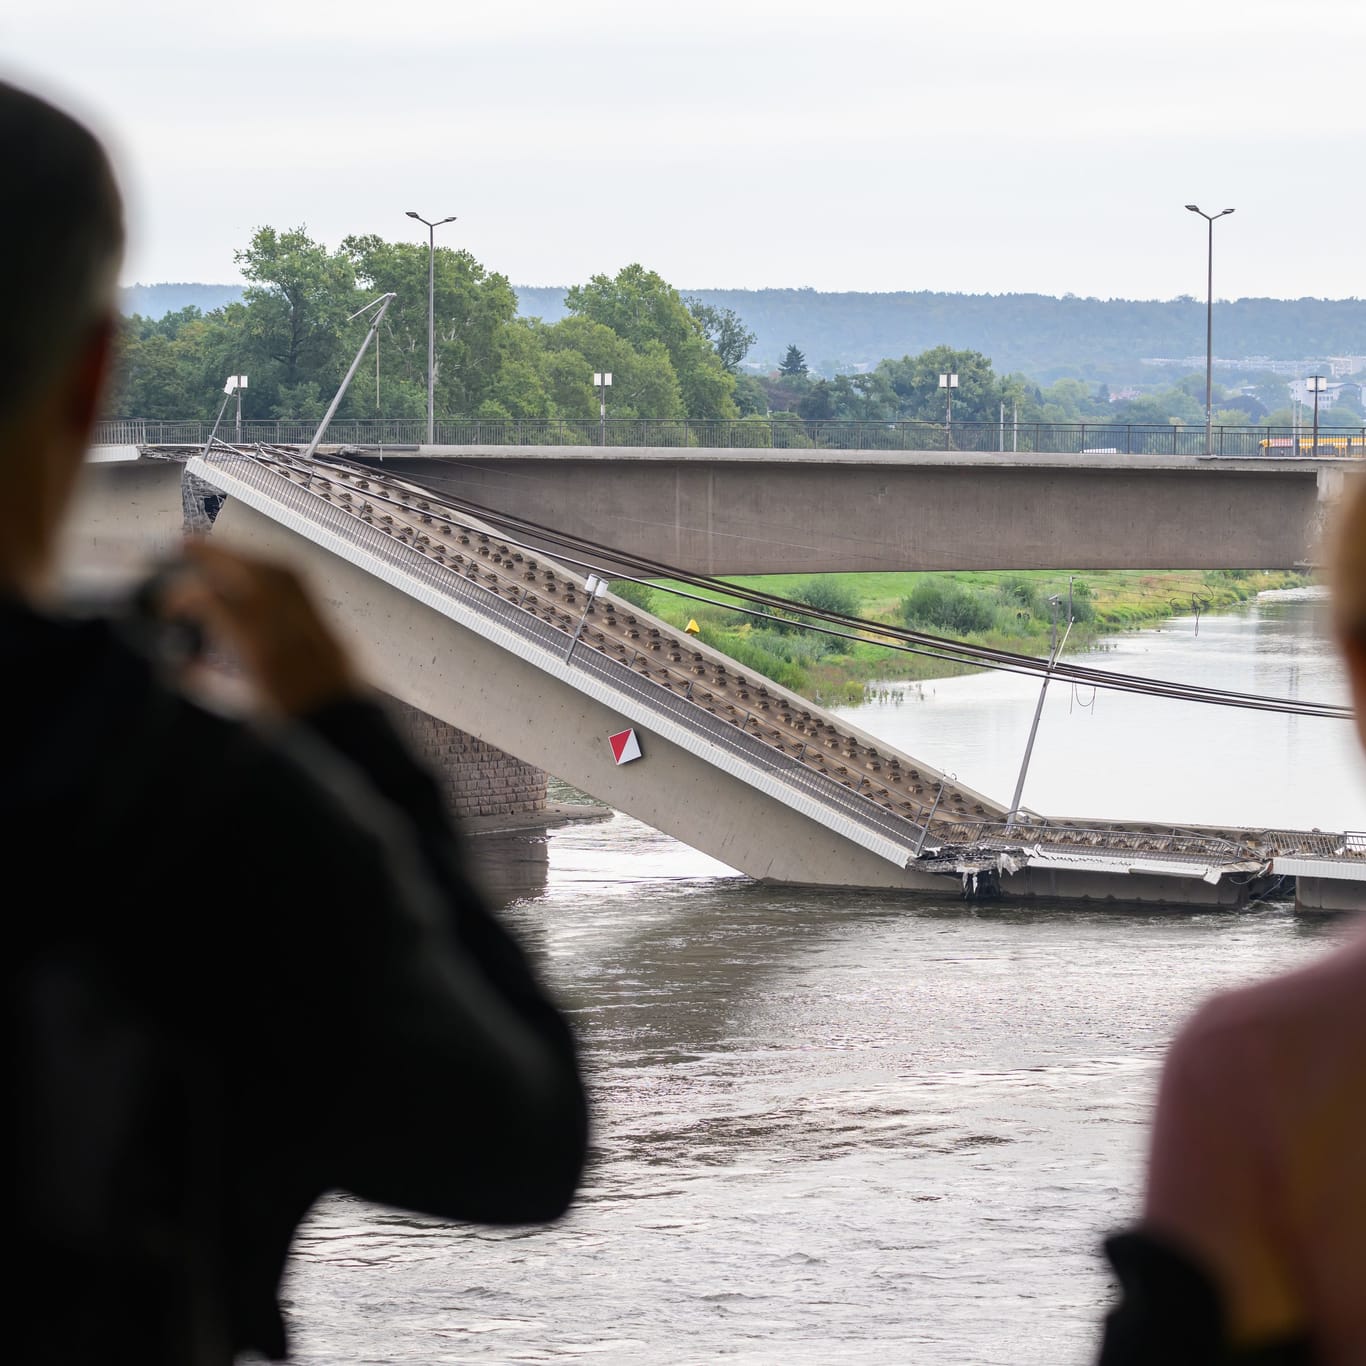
(1328, 395)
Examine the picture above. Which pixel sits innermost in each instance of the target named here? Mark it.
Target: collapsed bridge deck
(921, 828)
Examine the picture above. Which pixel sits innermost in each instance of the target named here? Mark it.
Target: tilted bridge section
(493, 637)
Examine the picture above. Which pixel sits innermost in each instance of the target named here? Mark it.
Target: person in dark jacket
(246, 965)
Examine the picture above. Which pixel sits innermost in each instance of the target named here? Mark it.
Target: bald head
(61, 237)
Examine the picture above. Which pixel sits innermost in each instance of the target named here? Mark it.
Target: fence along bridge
(733, 763)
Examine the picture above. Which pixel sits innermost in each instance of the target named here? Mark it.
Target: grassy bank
(1009, 611)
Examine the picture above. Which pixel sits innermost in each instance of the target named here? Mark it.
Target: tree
(294, 321)
(641, 307)
(915, 382)
(751, 399)
(793, 363)
(729, 336)
(473, 310)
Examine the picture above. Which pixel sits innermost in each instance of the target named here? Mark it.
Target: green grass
(1014, 603)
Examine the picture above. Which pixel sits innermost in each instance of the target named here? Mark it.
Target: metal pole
(602, 411)
(1316, 380)
(238, 388)
(1038, 712)
(431, 226)
(1209, 325)
(1209, 347)
(431, 334)
(384, 301)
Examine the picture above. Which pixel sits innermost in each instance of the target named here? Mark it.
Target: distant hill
(1039, 335)
(155, 301)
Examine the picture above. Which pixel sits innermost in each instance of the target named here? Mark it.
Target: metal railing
(621, 675)
(1099, 840)
(778, 432)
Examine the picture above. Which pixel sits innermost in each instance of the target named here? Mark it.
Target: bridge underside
(748, 512)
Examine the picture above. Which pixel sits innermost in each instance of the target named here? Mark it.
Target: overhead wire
(583, 553)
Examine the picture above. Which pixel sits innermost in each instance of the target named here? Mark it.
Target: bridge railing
(1101, 840)
(781, 431)
(618, 675)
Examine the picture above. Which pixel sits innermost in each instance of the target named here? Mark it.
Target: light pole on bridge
(1209, 326)
(431, 316)
(1317, 385)
(602, 379)
(948, 383)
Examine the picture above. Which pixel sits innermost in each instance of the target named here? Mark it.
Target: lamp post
(948, 383)
(603, 380)
(235, 385)
(431, 317)
(1317, 384)
(1209, 326)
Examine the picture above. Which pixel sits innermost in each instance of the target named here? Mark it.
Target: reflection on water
(847, 1127)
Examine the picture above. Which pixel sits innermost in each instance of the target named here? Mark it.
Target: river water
(849, 1126)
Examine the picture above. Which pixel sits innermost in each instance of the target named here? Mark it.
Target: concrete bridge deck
(456, 619)
(752, 511)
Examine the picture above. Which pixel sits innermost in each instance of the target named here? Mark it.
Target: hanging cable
(591, 556)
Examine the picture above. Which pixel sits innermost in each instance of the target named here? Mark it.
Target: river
(857, 1127)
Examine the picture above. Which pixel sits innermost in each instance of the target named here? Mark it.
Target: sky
(987, 147)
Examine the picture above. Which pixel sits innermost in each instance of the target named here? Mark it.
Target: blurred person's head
(1349, 592)
(61, 233)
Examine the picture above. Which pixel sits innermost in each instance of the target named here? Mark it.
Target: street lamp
(1317, 384)
(235, 384)
(948, 383)
(431, 317)
(1209, 327)
(603, 380)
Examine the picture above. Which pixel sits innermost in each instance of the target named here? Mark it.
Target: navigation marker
(625, 746)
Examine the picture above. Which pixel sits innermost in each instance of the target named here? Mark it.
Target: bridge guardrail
(618, 675)
(1102, 839)
(771, 433)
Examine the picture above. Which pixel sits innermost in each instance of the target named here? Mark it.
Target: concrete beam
(751, 512)
(126, 515)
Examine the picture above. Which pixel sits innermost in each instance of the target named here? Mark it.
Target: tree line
(293, 333)
(1097, 340)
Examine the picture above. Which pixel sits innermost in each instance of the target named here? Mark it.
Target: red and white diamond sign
(625, 746)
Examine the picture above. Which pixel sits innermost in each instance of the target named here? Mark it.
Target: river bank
(1002, 610)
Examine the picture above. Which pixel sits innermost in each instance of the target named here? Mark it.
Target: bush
(1019, 593)
(797, 647)
(637, 594)
(828, 594)
(940, 604)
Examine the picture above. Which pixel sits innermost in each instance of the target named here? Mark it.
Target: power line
(763, 607)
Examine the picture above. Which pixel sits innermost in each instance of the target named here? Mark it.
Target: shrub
(941, 604)
(828, 594)
(637, 594)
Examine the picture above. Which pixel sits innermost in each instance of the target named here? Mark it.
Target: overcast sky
(988, 146)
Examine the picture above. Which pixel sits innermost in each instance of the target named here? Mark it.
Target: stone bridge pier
(478, 781)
